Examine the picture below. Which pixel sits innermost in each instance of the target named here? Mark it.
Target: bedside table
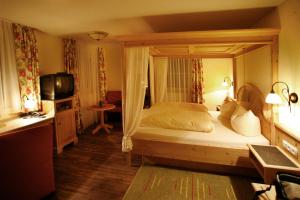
(268, 160)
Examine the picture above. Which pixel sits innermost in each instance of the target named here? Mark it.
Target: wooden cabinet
(26, 168)
(64, 117)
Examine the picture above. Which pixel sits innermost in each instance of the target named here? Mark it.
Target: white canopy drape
(135, 68)
(89, 82)
(158, 79)
(179, 80)
(9, 89)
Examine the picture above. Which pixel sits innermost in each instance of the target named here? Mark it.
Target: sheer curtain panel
(9, 85)
(179, 80)
(89, 92)
(136, 66)
(158, 79)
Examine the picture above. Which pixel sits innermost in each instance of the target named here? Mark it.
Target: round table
(105, 107)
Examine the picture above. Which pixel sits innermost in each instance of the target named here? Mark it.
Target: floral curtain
(102, 74)
(27, 65)
(197, 80)
(71, 67)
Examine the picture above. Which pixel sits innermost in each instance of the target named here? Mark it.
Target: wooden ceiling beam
(195, 55)
(246, 50)
(200, 37)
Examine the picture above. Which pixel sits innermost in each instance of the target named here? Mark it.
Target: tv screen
(57, 86)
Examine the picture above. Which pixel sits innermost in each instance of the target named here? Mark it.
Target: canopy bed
(221, 146)
(204, 44)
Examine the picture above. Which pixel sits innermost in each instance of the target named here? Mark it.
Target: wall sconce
(98, 35)
(273, 98)
(227, 82)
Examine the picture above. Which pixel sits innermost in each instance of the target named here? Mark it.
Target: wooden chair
(114, 97)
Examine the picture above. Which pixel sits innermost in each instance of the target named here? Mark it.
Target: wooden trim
(47, 121)
(234, 72)
(194, 55)
(247, 50)
(274, 59)
(201, 166)
(214, 36)
(187, 152)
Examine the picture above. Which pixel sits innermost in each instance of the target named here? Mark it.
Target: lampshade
(273, 98)
(225, 83)
(29, 104)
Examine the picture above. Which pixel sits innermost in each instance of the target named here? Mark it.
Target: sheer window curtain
(179, 80)
(158, 79)
(9, 85)
(89, 92)
(135, 68)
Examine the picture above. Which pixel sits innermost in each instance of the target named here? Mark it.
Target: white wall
(255, 67)
(50, 49)
(113, 60)
(214, 71)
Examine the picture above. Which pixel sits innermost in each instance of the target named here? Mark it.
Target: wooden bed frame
(249, 96)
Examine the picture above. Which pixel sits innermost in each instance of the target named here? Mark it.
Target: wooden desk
(268, 160)
(105, 107)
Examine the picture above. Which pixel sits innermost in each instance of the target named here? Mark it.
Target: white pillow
(246, 124)
(227, 109)
(239, 110)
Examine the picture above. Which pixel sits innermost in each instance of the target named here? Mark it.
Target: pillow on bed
(245, 122)
(227, 109)
(178, 105)
(182, 120)
(239, 110)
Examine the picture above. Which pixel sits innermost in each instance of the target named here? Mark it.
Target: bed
(222, 146)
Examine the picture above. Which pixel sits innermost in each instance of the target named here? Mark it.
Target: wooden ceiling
(206, 50)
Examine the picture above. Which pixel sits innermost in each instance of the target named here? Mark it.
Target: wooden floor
(93, 169)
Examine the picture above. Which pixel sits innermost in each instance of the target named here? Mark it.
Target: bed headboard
(251, 98)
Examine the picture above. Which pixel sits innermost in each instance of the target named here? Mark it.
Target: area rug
(153, 183)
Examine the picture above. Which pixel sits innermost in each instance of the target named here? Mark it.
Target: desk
(105, 107)
(268, 160)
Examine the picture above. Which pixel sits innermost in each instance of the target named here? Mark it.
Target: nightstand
(268, 160)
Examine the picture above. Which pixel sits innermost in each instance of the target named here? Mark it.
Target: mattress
(221, 136)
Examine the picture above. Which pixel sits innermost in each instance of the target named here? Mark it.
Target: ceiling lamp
(98, 35)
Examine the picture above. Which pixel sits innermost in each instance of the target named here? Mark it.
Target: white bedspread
(221, 136)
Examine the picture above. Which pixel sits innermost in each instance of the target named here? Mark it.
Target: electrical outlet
(291, 148)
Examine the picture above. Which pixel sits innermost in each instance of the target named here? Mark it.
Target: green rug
(153, 183)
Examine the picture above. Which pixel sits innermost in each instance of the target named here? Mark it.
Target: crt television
(56, 86)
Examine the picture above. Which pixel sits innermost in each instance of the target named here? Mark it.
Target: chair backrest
(113, 97)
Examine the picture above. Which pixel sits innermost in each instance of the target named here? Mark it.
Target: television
(56, 86)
